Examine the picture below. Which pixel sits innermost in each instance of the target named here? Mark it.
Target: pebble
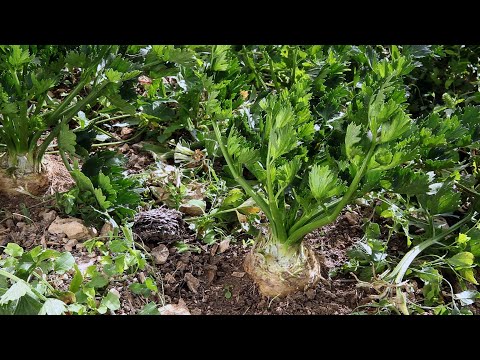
(48, 216)
(310, 293)
(18, 217)
(10, 224)
(70, 244)
(21, 224)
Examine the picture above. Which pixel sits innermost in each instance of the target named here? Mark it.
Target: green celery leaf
(53, 307)
(15, 292)
(461, 260)
(351, 138)
(64, 263)
(14, 250)
(76, 280)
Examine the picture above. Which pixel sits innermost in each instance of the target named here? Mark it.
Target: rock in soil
(238, 274)
(224, 244)
(172, 309)
(192, 282)
(106, 228)
(48, 216)
(70, 244)
(72, 227)
(160, 254)
(351, 218)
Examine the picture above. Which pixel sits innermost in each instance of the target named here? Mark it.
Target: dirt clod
(160, 254)
(192, 282)
(72, 227)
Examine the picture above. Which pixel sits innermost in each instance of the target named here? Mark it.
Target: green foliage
(28, 75)
(281, 156)
(103, 192)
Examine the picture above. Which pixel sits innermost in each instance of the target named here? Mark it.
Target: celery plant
(302, 184)
(27, 109)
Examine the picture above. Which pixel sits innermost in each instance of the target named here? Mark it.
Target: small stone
(238, 274)
(192, 282)
(210, 271)
(18, 217)
(181, 266)
(72, 227)
(352, 219)
(10, 224)
(48, 216)
(106, 228)
(223, 246)
(70, 244)
(93, 232)
(214, 249)
(172, 309)
(21, 225)
(160, 254)
(310, 294)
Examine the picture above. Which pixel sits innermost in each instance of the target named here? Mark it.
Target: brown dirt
(210, 282)
(224, 288)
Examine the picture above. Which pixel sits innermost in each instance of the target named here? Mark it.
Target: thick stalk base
(280, 273)
(34, 183)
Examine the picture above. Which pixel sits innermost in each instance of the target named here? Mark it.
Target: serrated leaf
(18, 56)
(282, 141)
(76, 280)
(14, 250)
(117, 246)
(83, 182)
(64, 263)
(351, 138)
(105, 184)
(113, 75)
(111, 301)
(396, 127)
(76, 59)
(98, 281)
(53, 307)
(323, 182)
(67, 140)
(408, 182)
(15, 292)
(445, 200)
(219, 55)
(287, 172)
(102, 199)
(461, 260)
(463, 238)
(469, 275)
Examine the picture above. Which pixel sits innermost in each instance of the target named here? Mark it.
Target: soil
(212, 281)
(224, 288)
